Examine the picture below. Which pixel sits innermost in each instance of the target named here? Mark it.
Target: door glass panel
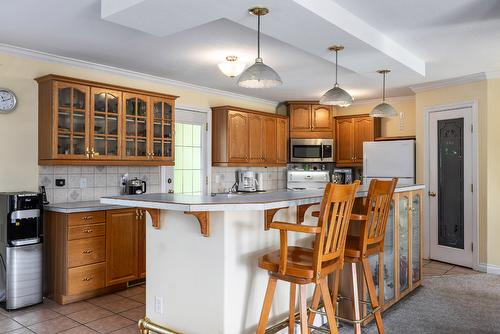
(188, 169)
(112, 104)
(112, 122)
(141, 128)
(64, 97)
(141, 148)
(157, 148)
(157, 110)
(112, 146)
(78, 99)
(130, 106)
(167, 111)
(415, 238)
(130, 127)
(167, 149)
(71, 121)
(451, 183)
(99, 124)
(141, 108)
(99, 145)
(389, 292)
(99, 102)
(63, 144)
(374, 266)
(167, 131)
(63, 120)
(404, 203)
(78, 144)
(157, 129)
(78, 121)
(130, 148)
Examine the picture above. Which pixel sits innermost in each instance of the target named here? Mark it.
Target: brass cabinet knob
(87, 251)
(86, 279)
(432, 194)
(87, 231)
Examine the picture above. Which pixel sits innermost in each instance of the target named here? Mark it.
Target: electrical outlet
(159, 305)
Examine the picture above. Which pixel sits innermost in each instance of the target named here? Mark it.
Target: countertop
(230, 202)
(83, 206)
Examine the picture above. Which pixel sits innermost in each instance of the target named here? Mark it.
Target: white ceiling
(185, 39)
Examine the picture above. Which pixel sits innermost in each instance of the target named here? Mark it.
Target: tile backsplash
(223, 178)
(88, 183)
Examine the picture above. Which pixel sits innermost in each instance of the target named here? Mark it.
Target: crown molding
(492, 75)
(449, 82)
(387, 99)
(39, 55)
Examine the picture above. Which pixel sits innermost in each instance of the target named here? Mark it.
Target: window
(189, 162)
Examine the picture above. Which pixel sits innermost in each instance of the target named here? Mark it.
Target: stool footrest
(339, 298)
(360, 321)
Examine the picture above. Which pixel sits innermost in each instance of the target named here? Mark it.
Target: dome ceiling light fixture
(383, 109)
(259, 75)
(336, 96)
(232, 67)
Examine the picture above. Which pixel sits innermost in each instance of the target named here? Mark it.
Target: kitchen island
(209, 282)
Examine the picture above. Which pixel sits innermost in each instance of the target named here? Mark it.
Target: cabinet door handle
(88, 230)
(87, 218)
(432, 194)
(87, 251)
(86, 279)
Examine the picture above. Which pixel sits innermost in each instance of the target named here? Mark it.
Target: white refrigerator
(388, 159)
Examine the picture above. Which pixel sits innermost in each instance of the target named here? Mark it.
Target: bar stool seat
(352, 249)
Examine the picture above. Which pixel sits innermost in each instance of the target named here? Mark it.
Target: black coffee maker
(135, 186)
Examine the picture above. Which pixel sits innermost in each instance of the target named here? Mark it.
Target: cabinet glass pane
(374, 266)
(157, 110)
(112, 104)
(141, 148)
(403, 243)
(141, 128)
(99, 124)
(157, 148)
(389, 291)
(63, 120)
(78, 99)
(141, 107)
(112, 146)
(100, 102)
(100, 145)
(167, 111)
(130, 106)
(78, 145)
(130, 128)
(63, 144)
(167, 149)
(167, 131)
(112, 125)
(157, 129)
(78, 121)
(130, 148)
(415, 238)
(64, 97)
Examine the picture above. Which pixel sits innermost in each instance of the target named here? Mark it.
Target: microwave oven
(311, 150)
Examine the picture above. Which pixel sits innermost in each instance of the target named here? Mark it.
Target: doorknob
(432, 194)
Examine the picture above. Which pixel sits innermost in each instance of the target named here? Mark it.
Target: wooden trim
(316, 134)
(96, 84)
(269, 216)
(62, 162)
(301, 211)
(352, 116)
(247, 164)
(155, 217)
(262, 113)
(204, 220)
(395, 138)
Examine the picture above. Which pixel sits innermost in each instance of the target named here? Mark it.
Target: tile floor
(116, 313)
(435, 268)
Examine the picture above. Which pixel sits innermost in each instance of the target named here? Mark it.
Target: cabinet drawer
(86, 231)
(86, 278)
(84, 218)
(86, 251)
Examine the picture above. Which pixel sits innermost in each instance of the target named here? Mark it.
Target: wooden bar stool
(301, 266)
(373, 221)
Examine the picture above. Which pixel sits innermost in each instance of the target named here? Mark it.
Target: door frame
(473, 105)
(206, 145)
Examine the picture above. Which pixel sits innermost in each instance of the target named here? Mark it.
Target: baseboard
(489, 268)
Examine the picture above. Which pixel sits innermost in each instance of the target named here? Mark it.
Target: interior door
(450, 186)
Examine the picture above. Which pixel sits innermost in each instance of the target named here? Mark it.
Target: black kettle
(135, 187)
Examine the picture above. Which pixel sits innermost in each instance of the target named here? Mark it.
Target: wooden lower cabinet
(92, 253)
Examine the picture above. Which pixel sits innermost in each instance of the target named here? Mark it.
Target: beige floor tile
(91, 313)
(106, 299)
(53, 326)
(141, 298)
(135, 314)
(433, 272)
(70, 308)
(110, 324)
(21, 331)
(132, 329)
(79, 330)
(7, 325)
(120, 306)
(131, 291)
(38, 315)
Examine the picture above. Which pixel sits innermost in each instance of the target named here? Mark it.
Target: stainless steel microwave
(311, 150)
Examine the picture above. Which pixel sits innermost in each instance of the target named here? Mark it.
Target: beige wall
(390, 126)
(478, 92)
(18, 131)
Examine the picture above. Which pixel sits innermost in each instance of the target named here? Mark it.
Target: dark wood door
(344, 141)
(300, 117)
(238, 136)
(282, 141)
(321, 117)
(269, 140)
(363, 131)
(121, 246)
(255, 139)
(141, 240)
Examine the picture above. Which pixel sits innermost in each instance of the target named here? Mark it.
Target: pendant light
(259, 75)
(383, 109)
(232, 67)
(336, 96)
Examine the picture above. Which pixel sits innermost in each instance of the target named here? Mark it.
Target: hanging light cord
(336, 69)
(258, 36)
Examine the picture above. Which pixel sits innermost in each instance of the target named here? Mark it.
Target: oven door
(311, 150)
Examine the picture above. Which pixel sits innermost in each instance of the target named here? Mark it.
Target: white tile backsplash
(88, 183)
(223, 178)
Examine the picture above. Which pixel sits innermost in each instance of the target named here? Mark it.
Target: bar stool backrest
(333, 219)
(377, 206)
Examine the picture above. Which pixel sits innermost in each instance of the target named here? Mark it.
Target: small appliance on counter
(307, 179)
(247, 181)
(342, 175)
(20, 249)
(311, 150)
(260, 182)
(134, 186)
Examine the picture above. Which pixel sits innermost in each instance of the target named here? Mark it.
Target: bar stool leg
(304, 329)
(314, 304)
(355, 298)
(330, 310)
(266, 308)
(291, 316)
(373, 294)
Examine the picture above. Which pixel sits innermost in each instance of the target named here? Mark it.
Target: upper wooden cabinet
(84, 122)
(310, 120)
(243, 137)
(350, 133)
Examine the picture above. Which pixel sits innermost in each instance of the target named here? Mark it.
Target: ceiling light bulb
(232, 67)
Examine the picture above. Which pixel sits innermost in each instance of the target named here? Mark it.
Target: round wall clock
(8, 101)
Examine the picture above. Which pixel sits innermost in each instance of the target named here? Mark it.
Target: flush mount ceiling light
(336, 96)
(232, 67)
(259, 75)
(383, 109)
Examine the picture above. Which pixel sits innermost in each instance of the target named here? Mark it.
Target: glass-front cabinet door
(389, 260)
(105, 124)
(404, 250)
(136, 127)
(163, 131)
(72, 122)
(416, 227)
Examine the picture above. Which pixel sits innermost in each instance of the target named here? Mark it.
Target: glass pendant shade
(336, 97)
(232, 67)
(383, 110)
(259, 75)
